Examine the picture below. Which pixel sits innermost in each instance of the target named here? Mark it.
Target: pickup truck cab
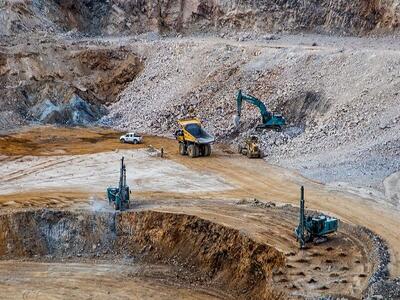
(131, 137)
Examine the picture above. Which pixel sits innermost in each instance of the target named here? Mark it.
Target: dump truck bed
(193, 132)
(202, 137)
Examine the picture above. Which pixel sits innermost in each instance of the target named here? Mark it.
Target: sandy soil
(26, 280)
(338, 266)
(206, 187)
(92, 172)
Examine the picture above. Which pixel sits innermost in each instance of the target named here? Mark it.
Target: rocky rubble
(75, 112)
(389, 290)
(117, 16)
(335, 93)
(51, 81)
(331, 97)
(187, 242)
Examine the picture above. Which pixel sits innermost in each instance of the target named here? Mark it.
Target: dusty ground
(102, 280)
(335, 93)
(140, 66)
(220, 189)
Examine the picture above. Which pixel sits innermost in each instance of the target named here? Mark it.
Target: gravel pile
(388, 290)
(380, 286)
(333, 97)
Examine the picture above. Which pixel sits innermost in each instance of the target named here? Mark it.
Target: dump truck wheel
(191, 151)
(207, 150)
(196, 150)
(249, 155)
(182, 149)
(202, 150)
(116, 206)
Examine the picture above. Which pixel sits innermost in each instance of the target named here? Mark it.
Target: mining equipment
(193, 140)
(269, 119)
(314, 228)
(119, 196)
(250, 147)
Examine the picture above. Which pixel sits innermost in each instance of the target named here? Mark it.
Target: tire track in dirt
(35, 168)
(254, 179)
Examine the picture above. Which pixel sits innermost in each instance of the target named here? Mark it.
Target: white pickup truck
(131, 137)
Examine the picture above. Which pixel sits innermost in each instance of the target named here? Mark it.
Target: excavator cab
(268, 119)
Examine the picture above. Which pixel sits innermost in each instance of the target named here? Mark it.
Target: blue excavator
(269, 119)
(119, 196)
(313, 228)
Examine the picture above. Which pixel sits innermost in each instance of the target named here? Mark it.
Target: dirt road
(47, 167)
(101, 280)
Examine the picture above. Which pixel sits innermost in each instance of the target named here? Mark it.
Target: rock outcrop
(120, 16)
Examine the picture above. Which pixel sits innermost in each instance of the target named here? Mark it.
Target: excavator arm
(265, 114)
(269, 120)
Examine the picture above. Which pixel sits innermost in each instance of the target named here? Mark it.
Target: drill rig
(313, 228)
(119, 197)
(269, 120)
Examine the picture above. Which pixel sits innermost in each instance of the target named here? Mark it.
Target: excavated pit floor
(174, 254)
(67, 170)
(32, 280)
(51, 253)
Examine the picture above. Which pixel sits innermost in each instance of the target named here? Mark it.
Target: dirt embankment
(207, 253)
(52, 83)
(49, 140)
(199, 15)
(346, 264)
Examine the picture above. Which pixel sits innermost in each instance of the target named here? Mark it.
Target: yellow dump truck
(193, 139)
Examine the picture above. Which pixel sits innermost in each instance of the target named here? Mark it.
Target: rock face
(333, 98)
(359, 16)
(55, 83)
(392, 188)
(220, 256)
(75, 112)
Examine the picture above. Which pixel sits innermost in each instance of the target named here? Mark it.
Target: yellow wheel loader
(193, 140)
(250, 147)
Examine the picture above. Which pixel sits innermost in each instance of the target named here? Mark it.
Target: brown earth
(340, 266)
(49, 141)
(42, 80)
(198, 245)
(207, 254)
(95, 17)
(114, 69)
(119, 280)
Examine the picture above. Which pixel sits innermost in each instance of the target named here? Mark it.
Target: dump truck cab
(193, 139)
